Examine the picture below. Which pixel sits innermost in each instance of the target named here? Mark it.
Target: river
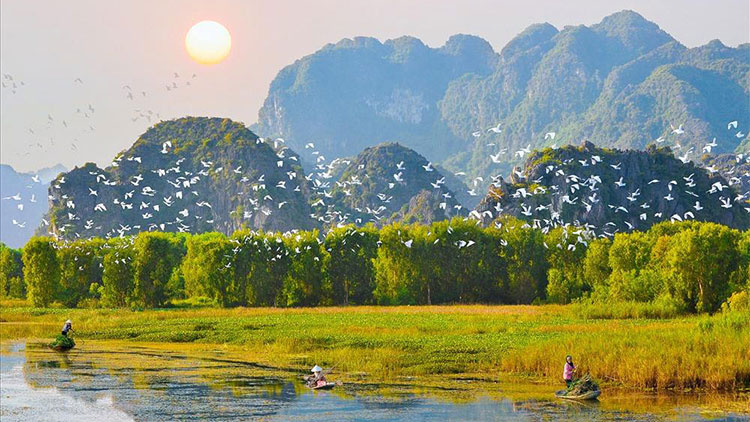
(99, 384)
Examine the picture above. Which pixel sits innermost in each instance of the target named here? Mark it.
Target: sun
(208, 42)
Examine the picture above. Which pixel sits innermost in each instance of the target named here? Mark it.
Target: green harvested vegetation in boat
(62, 343)
(583, 389)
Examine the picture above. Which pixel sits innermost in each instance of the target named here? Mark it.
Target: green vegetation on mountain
(188, 174)
(623, 83)
(360, 92)
(620, 83)
(609, 191)
(390, 182)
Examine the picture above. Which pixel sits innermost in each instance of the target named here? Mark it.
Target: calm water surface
(148, 385)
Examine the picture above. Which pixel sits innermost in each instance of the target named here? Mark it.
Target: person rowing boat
(317, 379)
(67, 327)
(569, 371)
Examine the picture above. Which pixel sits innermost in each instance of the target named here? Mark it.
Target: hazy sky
(108, 44)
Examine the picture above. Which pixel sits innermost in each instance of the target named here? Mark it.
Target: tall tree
(527, 263)
(80, 268)
(348, 263)
(305, 282)
(119, 273)
(207, 267)
(41, 270)
(699, 265)
(11, 273)
(157, 255)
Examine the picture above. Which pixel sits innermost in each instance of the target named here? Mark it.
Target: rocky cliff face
(191, 174)
(610, 190)
(622, 83)
(735, 168)
(385, 183)
(361, 92)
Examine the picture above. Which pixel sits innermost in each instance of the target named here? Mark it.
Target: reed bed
(490, 342)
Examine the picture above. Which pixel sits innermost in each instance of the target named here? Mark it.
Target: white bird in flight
(495, 129)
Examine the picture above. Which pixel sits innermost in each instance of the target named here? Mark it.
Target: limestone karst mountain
(611, 191)
(199, 174)
(389, 182)
(190, 174)
(622, 83)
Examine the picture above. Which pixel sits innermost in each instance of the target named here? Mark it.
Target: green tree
(157, 255)
(596, 269)
(699, 263)
(41, 270)
(305, 282)
(241, 266)
(118, 277)
(80, 265)
(741, 279)
(465, 262)
(268, 268)
(11, 273)
(565, 256)
(525, 254)
(401, 276)
(207, 267)
(632, 277)
(348, 264)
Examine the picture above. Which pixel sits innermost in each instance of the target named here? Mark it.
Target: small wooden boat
(589, 395)
(62, 343)
(326, 386)
(61, 348)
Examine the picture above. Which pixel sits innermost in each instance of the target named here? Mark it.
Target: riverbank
(120, 380)
(487, 343)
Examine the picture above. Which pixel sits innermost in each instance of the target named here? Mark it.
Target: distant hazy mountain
(47, 174)
(621, 83)
(612, 190)
(24, 199)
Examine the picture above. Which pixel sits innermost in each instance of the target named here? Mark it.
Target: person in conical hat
(68, 326)
(317, 379)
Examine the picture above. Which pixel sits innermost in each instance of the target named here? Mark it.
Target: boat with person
(589, 395)
(583, 388)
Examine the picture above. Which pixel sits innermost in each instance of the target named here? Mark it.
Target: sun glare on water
(208, 42)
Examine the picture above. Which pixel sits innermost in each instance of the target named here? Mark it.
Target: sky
(48, 44)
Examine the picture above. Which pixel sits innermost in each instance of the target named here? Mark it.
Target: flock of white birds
(184, 187)
(79, 121)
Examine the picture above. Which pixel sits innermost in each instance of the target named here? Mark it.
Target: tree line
(692, 266)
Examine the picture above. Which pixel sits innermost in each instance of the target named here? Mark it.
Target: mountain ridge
(622, 82)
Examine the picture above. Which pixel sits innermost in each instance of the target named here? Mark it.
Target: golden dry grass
(489, 342)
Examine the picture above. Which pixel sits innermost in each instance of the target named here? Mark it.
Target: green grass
(487, 342)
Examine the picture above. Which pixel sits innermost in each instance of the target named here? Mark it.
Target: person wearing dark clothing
(67, 327)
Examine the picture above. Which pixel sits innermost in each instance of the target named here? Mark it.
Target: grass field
(485, 342)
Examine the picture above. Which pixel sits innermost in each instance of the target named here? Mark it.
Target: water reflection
(151, 385)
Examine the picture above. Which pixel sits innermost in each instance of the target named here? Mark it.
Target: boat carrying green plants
(62, 343)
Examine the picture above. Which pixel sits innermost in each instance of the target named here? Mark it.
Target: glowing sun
(208, 42)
